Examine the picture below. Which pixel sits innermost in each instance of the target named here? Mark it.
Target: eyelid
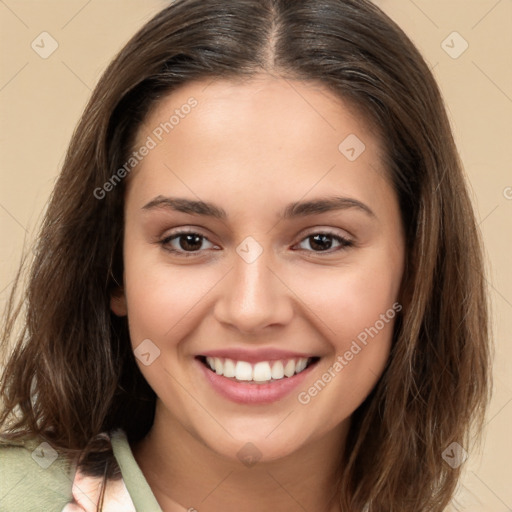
(344, 241)
(329, 231)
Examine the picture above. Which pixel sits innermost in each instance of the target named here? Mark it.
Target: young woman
(259, 282)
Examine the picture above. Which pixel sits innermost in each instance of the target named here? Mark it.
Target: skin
(252, 148)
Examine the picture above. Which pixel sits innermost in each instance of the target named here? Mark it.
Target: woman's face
(294, 252)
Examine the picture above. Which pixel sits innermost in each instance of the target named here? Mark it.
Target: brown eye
(323, 242)
(190, 241)
(184, 242)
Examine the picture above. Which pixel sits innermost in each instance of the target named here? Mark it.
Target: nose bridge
(253, 296)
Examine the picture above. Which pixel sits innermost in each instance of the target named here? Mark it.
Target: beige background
(41, 101)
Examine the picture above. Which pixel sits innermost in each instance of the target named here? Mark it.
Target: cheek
(163, 299)
(164, 306)
(355, 309)
(346, 301)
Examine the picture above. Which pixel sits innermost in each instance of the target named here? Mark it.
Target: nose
(254, 296)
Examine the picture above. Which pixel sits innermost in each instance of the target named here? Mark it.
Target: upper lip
(254, 356)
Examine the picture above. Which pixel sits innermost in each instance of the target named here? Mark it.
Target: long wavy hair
(71, 374)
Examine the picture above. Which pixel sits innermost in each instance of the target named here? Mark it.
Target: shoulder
(34, 476)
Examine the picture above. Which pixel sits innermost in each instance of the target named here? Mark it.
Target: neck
(185, 474)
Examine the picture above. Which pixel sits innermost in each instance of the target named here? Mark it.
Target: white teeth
(278, 370)
(263, 371)
(219, 367)
(243, 371)
(289, 368)
(301, 364)
(229, 368)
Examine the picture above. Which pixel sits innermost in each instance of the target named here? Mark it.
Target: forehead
(260, 106)
(266, 132)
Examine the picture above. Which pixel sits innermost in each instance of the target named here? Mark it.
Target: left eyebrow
(321, 205)
(292, 210)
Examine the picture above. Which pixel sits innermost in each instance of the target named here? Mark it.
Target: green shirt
(34, 478)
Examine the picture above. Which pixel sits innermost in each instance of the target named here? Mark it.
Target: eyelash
(344, 243)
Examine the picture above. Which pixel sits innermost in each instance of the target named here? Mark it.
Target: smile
(256, 382)
(260, 372)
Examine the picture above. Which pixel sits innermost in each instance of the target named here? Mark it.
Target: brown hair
(72, 373)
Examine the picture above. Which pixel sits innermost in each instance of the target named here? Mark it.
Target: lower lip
(253, 393)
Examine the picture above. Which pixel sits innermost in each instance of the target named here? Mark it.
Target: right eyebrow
(183, 205)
